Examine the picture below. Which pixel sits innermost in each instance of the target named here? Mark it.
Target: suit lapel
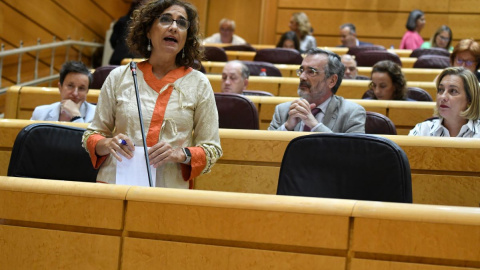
(331, 114)
(54, 113)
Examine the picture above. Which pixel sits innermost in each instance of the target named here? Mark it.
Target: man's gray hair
(353, 29)
(245, 70)
(334, 65)
(228, 21)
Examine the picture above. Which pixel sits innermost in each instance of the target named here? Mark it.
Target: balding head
(350, 64)
(235, 77)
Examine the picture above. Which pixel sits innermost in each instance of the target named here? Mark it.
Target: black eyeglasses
(166, 20)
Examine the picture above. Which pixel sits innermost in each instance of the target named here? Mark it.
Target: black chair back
(431, 51)
(377, 123)
(370, 58)
(432, 61)
(215, 54)
(257, 93)
(345, 166)
(51, 151)
(242, 47)
(415, 93)
(356, 50)
(255, 66)
(279, 56)
(100, 75)
(236, 111)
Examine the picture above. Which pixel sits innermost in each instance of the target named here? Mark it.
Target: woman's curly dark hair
(143, 19)
(395, 73)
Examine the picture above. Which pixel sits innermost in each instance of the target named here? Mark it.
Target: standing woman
(411, 39)
(301, 26)
(177, 102)
(458, 106)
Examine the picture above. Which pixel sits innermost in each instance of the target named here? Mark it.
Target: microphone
(133, 67)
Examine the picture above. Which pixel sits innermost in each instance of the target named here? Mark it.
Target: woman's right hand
(115, 147)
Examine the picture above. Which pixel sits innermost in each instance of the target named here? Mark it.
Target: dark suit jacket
(342, 116)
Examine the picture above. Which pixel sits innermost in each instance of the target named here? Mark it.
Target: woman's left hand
(162, 152)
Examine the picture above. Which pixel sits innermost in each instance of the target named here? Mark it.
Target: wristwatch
(188, 156)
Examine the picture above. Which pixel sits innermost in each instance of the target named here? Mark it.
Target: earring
(183, 53)
(149, 47)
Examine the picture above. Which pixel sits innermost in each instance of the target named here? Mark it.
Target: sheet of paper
(133, 171)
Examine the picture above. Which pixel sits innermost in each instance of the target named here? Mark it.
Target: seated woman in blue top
(388, 82)
(458, 106)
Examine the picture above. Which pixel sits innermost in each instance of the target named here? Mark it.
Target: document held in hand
(133, 171)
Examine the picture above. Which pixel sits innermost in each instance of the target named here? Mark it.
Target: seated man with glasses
(226, 34)
(318, 108)
(351, 71)
(467, 54)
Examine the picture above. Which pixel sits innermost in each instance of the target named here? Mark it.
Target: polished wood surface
(444, 170)
(194, 229)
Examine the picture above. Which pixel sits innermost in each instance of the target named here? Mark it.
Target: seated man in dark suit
(348, 36)
(318, 108)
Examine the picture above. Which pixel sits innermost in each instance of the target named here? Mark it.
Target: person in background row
(458, 106)
(318, 108)
(235, 77)
(226, 34)
(75, 80)
(442, 38)
(177, 102)
(411, 39)
(348, 36)
(351, 71)
(467, 54)
(301, 26)
(119, 35)
(289, 40)
(388, 82)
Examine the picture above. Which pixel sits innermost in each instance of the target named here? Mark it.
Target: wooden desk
(48, 224)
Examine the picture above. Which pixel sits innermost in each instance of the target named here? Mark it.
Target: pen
(122, 142)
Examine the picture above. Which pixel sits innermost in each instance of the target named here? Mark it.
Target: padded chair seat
(279, 56)
(345, 166)
(236, 111)
(432, 61)
(50, 151)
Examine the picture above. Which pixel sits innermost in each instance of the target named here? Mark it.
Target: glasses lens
(165, 20)
(467, 63)
(183, 24)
